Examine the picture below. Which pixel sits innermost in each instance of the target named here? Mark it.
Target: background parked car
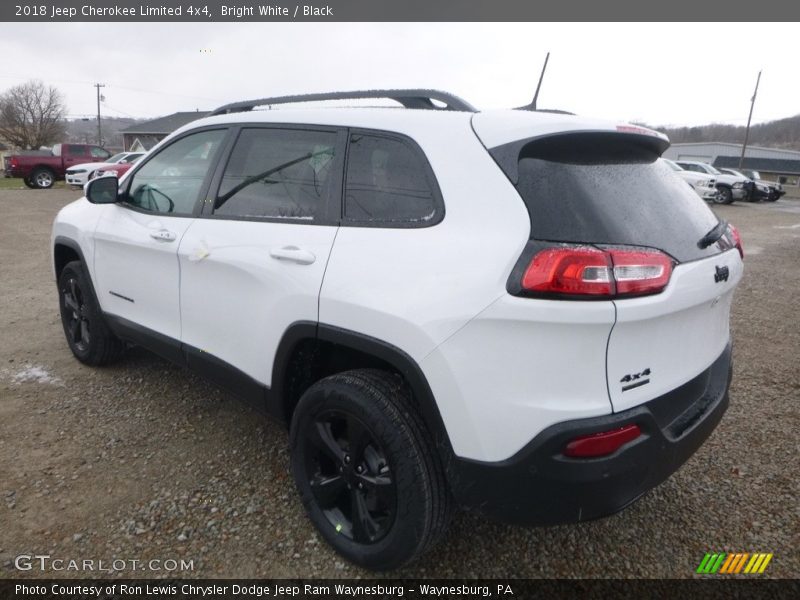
(704, 185)
(764, 190)
(80, 174)
(731, 187)
(117, 170)
(42, 171)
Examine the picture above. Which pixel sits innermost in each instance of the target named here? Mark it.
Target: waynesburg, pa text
(261, 590)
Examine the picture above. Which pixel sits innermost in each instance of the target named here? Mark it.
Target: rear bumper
(540, 486)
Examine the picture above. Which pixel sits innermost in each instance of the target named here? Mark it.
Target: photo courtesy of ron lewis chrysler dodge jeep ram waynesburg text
(514, 311)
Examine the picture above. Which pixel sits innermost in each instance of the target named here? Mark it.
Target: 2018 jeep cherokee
(518, 312)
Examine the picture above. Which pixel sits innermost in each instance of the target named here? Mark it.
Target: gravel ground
(145, 461)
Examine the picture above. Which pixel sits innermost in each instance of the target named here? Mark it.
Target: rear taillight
(601, 444)
(737, 239)
(583, 271)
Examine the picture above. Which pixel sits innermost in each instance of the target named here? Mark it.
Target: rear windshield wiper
(712, 236)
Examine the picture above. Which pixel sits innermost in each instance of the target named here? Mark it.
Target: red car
(117, 170)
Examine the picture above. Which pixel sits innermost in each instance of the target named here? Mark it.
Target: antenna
(539, 85)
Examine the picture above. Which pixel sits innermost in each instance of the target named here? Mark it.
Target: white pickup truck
(730, 187)
(704, 185)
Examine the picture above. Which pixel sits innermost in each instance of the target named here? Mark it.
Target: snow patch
(31, 374)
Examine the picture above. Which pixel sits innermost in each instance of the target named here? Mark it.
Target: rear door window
(279, 174)
(389, 183)
(600, 188)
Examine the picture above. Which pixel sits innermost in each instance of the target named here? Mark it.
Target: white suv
(522, 313)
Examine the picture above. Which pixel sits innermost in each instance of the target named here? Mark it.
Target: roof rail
(408, 98)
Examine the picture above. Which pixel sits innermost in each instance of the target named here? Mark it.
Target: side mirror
(103, 190)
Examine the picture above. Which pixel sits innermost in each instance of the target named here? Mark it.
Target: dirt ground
(144, 461)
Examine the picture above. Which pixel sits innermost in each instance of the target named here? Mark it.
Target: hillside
(85, 132)
(783, 133)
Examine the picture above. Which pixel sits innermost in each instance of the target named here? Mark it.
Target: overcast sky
(672, 73)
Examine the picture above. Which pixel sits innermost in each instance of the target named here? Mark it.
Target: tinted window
(593, 189)
(278, 173)
(75, 150)
(170, 181)
(386, 181)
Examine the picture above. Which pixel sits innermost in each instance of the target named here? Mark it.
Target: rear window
(388, 184)
(602, 188)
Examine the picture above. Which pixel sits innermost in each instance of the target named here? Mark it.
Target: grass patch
(14, 183)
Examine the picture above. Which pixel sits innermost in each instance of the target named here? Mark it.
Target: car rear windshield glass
(608, 189)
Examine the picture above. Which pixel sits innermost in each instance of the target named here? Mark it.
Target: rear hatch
(666, 261)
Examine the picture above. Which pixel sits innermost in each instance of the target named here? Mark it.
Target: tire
(29, 183)
(87, 334)
(358, 434)
(725, 196)
(43, 178)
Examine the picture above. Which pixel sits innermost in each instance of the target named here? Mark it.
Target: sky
(660, 74)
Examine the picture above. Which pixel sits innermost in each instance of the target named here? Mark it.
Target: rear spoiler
(627, 144)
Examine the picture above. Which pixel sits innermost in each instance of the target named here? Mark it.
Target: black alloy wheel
(350, 477)
(367, 470)
(87, 334)
(75, 315)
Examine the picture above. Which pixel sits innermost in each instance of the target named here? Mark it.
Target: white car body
(502, 366)
(78, 175)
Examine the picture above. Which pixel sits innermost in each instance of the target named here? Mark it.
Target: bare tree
(32, 115)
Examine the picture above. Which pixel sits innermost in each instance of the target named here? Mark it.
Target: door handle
(294, 254)
(163, 235)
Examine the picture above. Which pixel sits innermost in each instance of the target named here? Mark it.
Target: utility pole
(750, 116)
(99, 131)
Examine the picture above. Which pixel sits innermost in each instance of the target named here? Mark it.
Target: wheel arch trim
(392, 355)
(61, 240)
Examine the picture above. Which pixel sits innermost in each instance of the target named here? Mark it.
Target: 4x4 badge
(721, 274)
(634, 380)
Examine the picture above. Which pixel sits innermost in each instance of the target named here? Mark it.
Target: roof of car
(495, 126)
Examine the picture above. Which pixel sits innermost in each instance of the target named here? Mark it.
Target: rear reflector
(601, 444)
(737, 239)
(588, 271)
